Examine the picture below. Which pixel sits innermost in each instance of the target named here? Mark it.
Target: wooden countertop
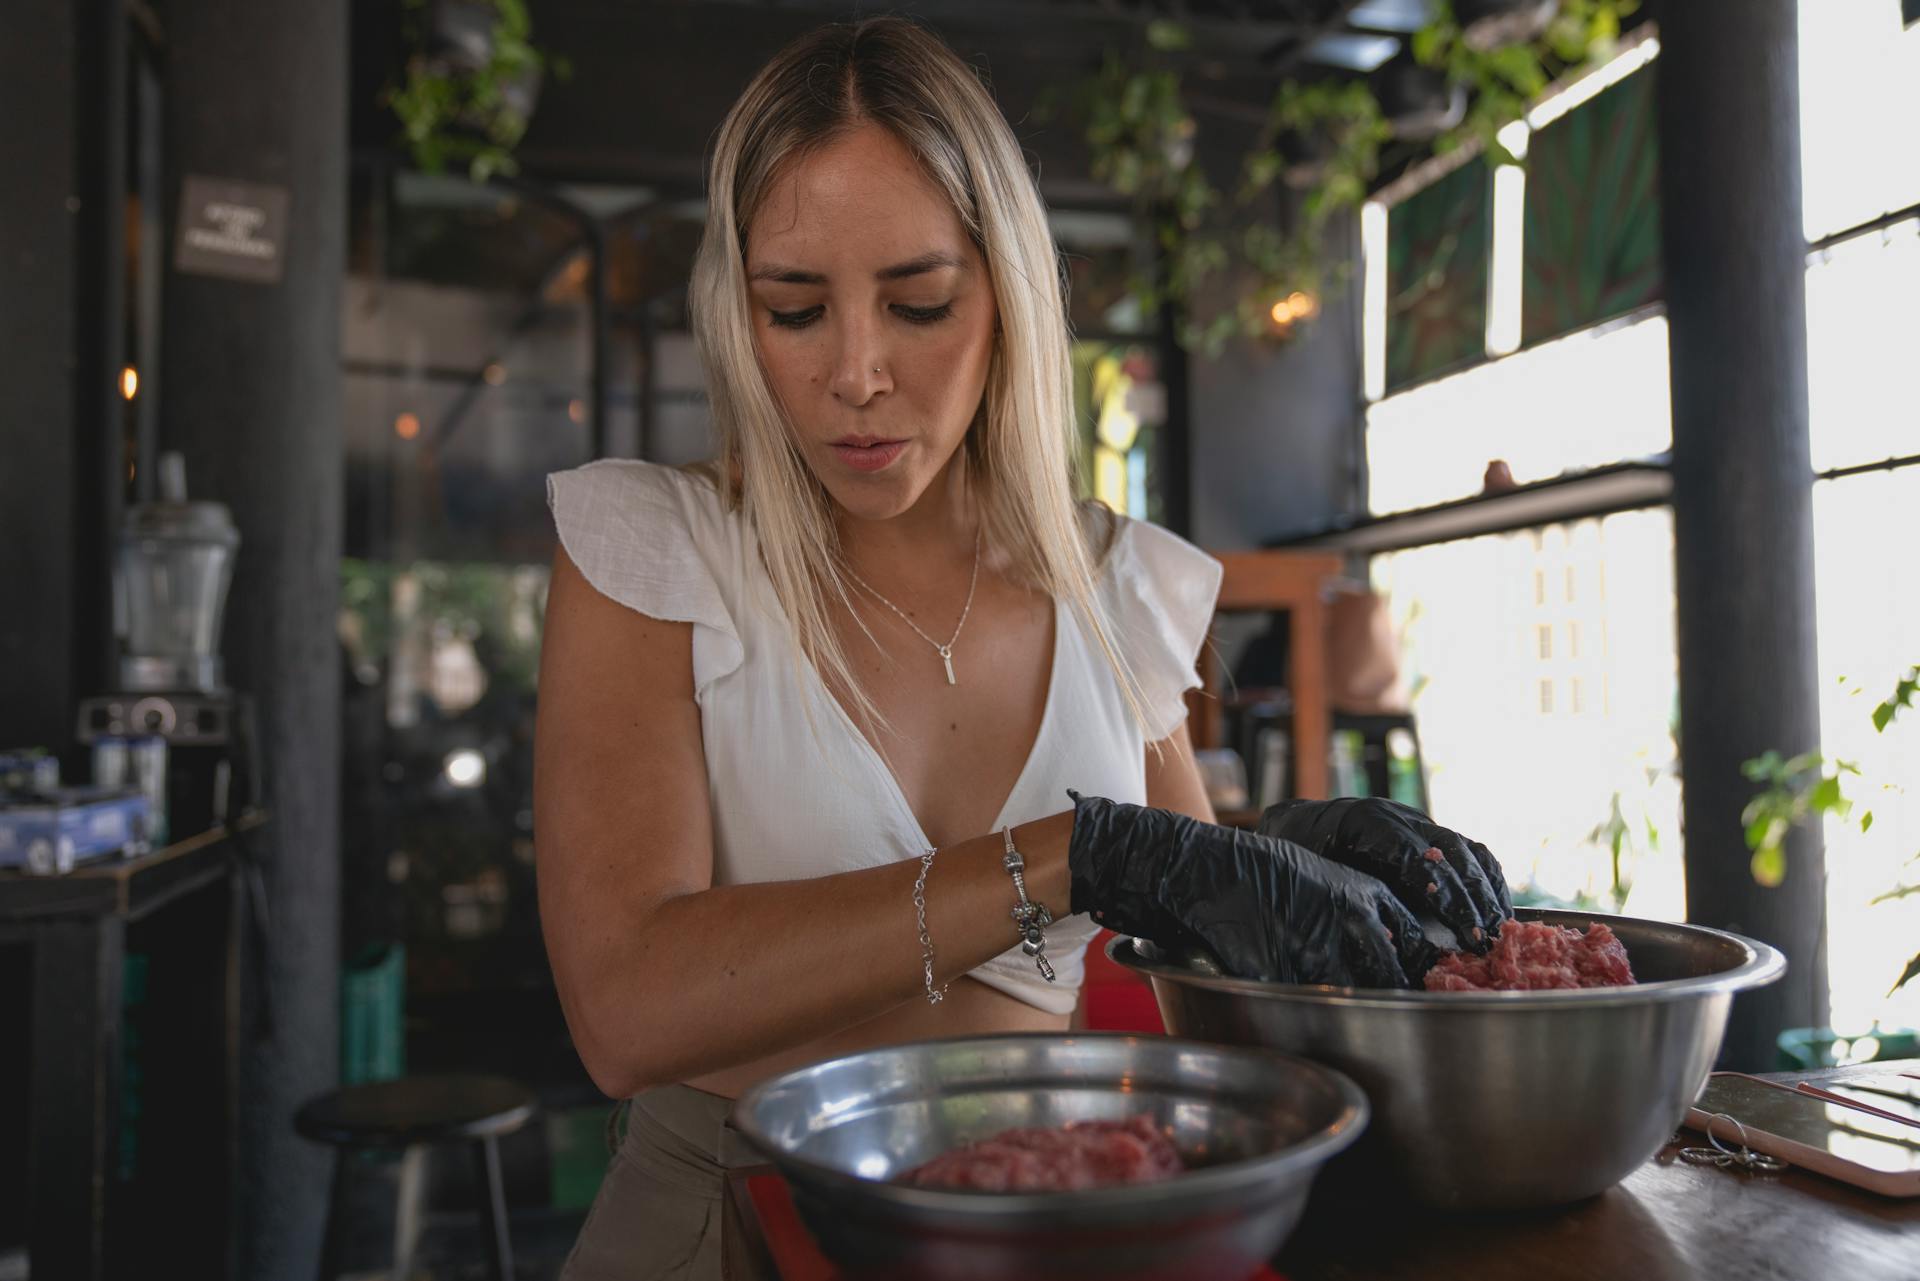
(1669, 1221)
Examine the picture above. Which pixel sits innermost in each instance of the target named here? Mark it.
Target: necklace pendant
(946, 657)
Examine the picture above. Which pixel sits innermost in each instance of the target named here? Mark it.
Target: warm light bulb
(407, 426)
(1282, 313)
(1301, 305)
(129, 382)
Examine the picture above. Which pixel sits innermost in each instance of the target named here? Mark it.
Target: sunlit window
(1583, 401)
(1869, 635)
(1859, 97)
(1549, 752)
(1544, 661)
(1863, 378)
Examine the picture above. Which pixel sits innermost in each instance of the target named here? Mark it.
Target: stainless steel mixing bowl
(1258, 1125)
(1499, 1100)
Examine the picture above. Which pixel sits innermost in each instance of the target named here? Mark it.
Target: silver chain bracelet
(1032, 918)
(934, 996)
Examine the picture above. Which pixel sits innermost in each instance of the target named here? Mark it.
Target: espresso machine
(172, 726)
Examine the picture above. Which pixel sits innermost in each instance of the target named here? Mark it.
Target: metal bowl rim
(1307, 1154)
(1763, 964)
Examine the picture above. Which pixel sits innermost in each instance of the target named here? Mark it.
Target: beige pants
(662, 1212)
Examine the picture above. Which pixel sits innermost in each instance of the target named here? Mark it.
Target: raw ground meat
(1532, 956)
(1063, 1158)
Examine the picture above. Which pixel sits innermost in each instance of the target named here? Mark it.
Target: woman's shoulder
(640, 506)
(639, 530)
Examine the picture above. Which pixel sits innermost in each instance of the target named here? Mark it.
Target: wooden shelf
(1599, 492)
(1271, 581)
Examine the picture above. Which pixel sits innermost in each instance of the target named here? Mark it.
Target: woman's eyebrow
(920, 266)
(787, 275)
(935, 261)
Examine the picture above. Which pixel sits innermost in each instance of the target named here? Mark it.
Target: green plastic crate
(373, 1005)
(1808, 1049)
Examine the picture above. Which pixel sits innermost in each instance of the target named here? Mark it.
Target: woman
(797, 708)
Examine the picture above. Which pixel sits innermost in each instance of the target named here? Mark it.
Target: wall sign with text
(237, 230)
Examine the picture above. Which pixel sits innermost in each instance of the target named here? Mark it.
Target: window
(1534, 760)
(466, 345)
(1607, 389)
(1863, 381)
(1868, 616)
(1543, 760)
(1859, 93)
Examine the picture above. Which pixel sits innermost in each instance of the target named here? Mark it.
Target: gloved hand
(1267, 908)
(1431, 868)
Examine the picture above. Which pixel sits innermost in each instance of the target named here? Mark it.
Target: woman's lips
(868, 457)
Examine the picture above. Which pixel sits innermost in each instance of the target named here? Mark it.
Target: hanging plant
(471, 81)
(1321, 138)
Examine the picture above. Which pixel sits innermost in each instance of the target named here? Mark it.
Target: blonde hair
(1020, 451)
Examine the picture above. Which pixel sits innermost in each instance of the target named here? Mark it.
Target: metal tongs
(1723, 1157)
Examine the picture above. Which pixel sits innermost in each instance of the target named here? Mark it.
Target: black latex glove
(1464, 887)
(1267, 908)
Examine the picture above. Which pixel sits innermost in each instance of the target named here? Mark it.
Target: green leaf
(1168, 36)
(1770, 868)
(1906, 976)
(1805, 763)
(1898, 892)
(1866, 822)
(1825, 797)
(1883, 716)
(1428, 44)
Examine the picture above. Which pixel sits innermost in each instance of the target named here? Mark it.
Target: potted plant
(471, 81)
(1322, 138)
(1491, 24)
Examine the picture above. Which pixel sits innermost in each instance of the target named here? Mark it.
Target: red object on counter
(1116, 999)
(796, 1257)
(1535, 956)
(1056, 1158)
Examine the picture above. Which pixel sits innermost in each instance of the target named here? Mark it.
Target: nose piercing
(876, 369)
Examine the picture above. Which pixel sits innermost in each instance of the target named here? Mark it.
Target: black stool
(411, 1115)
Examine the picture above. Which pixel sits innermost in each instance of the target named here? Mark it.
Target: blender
(172, 727)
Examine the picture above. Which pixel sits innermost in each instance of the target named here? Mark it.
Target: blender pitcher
(175, 564)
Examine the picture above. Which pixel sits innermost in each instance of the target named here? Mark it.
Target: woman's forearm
(699, 981)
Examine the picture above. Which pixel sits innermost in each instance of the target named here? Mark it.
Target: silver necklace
(945, 651)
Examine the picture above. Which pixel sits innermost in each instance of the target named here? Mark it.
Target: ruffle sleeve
(636, 532)
(1163, 591)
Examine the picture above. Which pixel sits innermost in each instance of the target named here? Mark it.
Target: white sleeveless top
(797, 798)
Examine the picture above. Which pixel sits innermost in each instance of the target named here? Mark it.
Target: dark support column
(1729, 129)
(252, 394)
(62, 243)
(99, 334)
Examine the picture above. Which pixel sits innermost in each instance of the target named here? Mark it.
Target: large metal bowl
(1499, 1100)
(1257, 1125)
